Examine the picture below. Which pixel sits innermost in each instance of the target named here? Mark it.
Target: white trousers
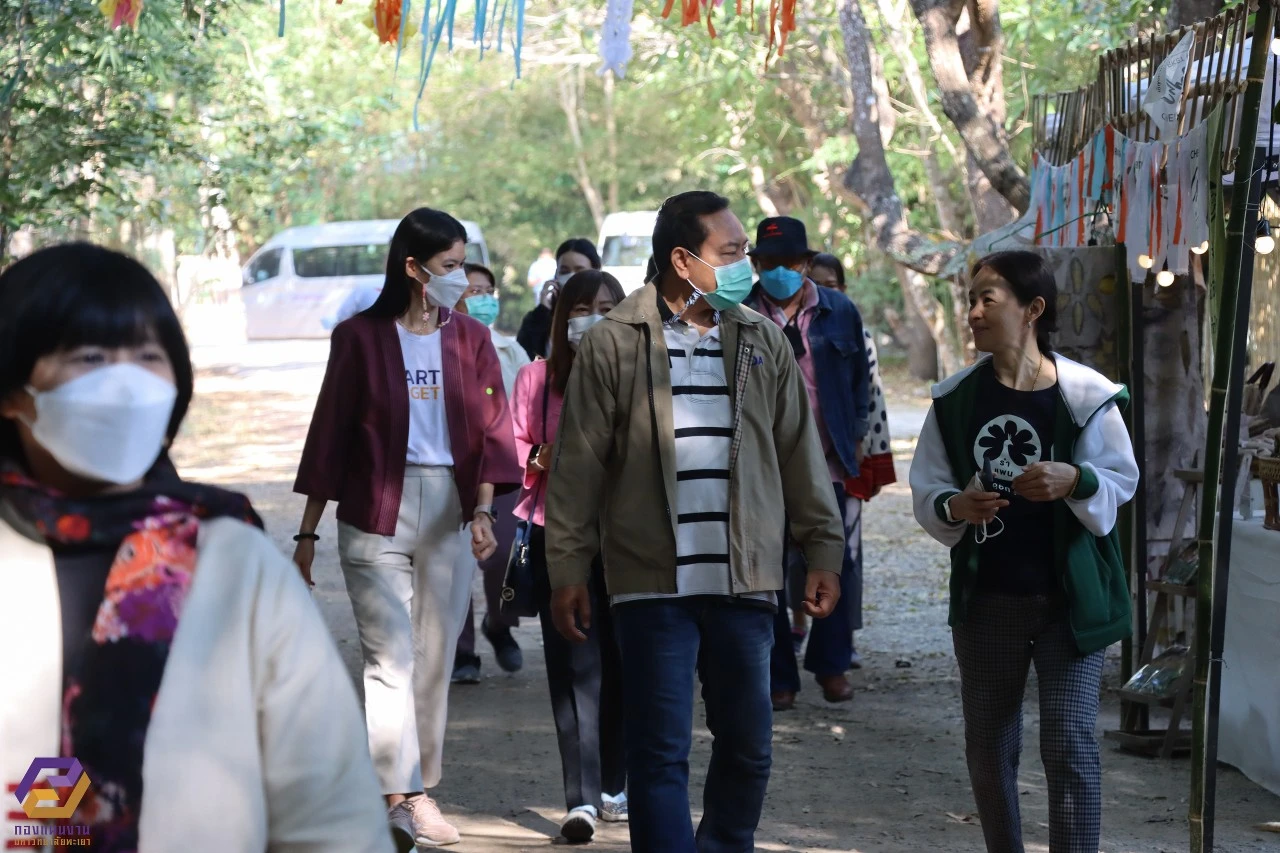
(410, 594)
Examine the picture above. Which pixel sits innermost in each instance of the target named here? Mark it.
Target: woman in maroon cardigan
(412, 437)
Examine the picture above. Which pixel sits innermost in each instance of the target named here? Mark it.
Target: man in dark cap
(825, 332)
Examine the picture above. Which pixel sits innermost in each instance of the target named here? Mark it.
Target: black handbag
(518, 598)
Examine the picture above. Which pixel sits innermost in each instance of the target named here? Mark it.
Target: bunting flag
(615, 38)
(121, 12)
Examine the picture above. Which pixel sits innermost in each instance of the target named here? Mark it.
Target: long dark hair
(583, 247)
(1028, 276)
(78, 294)
(579, 290)
(422, 235)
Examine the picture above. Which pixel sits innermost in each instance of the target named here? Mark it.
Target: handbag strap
(546, 393)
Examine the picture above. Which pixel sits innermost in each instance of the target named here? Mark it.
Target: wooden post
(1203, 774)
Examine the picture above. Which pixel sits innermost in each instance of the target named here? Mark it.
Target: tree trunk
(1184, 12)
(896, 32)
(982, 49)
(569, 103)
(985, 139)
(949, 215)
(914, 333)
(868, 182)
(944, 359)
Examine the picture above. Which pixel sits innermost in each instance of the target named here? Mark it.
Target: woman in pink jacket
(412, 437)
(585, 679)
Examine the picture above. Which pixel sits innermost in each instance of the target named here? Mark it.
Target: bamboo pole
(1203, 779)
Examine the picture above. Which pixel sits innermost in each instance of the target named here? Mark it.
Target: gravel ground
(884, 773)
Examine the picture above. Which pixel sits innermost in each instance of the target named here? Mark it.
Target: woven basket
(1267, 469)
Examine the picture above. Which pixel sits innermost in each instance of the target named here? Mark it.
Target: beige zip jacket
(613, 479)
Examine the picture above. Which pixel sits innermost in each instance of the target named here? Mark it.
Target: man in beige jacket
(687, 449)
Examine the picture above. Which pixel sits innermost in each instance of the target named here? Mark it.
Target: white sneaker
(417, 821)
(579, 825)
(614, 809)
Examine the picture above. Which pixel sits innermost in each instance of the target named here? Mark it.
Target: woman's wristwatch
(487, 509)
(946, 508)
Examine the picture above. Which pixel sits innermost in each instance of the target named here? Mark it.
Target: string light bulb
(1145, 261)
(1164, 278)
(1201, 249)
(1275, 47)
(1264, 244)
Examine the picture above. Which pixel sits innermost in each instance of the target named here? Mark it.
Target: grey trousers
(995, 647)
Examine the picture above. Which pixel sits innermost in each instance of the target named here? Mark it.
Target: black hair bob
(78, 294)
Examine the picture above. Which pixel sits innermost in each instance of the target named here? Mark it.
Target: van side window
(264, 267)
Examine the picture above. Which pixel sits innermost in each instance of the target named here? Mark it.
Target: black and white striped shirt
(702, 415)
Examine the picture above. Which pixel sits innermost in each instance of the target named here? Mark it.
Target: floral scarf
(107, 701)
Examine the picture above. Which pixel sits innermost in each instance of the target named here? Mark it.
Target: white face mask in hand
(108, 425)
(578, 327)
(445, 289)
(981, 530)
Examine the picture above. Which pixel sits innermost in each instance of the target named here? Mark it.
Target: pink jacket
(526, 418)
(359, 437)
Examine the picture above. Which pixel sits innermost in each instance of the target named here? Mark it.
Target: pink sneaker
(418, 821)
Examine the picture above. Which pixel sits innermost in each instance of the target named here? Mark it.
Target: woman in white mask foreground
(161, 654)
(412, 437)
(585, 678)
(572, 257)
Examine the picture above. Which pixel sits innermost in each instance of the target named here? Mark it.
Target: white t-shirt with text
(424, 374)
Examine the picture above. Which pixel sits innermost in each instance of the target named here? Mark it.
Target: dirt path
(883, 774)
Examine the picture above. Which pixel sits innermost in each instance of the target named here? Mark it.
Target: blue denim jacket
(839, 351)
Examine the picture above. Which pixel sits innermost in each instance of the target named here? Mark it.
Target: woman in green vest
(1022, 464)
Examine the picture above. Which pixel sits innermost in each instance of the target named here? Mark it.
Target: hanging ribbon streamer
(784, 13)
(615, 38)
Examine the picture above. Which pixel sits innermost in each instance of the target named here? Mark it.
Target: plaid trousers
(995, 646)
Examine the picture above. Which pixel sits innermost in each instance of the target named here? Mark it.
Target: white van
(295, 284)
(626, 242)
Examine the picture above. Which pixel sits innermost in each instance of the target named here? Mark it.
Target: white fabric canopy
(1249, 722)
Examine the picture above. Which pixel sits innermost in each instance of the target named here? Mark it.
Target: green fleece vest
(1091, 569)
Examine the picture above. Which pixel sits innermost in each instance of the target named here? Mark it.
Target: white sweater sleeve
(1105, 452)
(321, 793)
(932, 478)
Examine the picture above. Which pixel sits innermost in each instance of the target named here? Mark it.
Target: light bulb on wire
(1275, 47)
(1164, 278)
(1145, 261)
(1201, 249)
(1264, 243)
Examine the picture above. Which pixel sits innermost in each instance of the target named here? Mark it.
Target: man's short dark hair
(680, 225)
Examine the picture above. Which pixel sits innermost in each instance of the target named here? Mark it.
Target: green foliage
(84, 110)
(204, 113)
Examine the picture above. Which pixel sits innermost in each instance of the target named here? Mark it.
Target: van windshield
(626, 250)
(333, 261)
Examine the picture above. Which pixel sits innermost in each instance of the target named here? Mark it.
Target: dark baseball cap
(781, 237)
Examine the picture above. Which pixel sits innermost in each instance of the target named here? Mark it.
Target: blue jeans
(728, 643)
(830, 640)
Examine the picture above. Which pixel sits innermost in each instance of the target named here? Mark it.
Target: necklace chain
(1036, 381)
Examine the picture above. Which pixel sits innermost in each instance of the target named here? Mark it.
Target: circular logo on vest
(1011, 444)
